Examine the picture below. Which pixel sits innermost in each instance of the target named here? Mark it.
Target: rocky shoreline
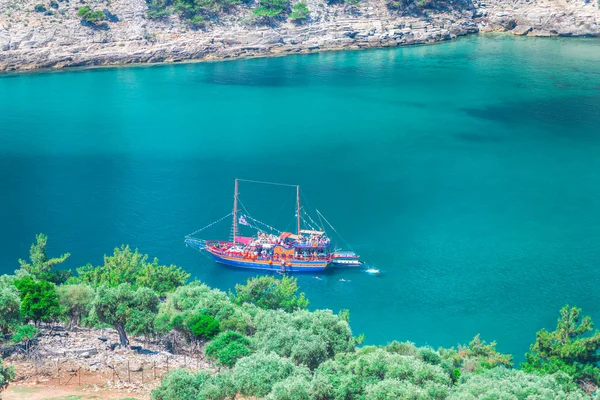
(31, 41)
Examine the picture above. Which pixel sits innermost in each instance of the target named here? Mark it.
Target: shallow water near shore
(467, 172)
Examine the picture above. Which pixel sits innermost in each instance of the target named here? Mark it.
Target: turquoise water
(467, 172)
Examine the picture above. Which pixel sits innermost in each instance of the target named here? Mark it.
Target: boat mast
(235, 197)
(298, 204)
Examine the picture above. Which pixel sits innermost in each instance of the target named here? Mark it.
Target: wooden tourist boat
(306, 250)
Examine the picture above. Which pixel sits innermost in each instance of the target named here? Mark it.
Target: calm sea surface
(468, 172)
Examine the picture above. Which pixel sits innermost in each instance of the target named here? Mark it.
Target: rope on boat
(263, 224)
(331, 226)
(313, 221)
(209, 225)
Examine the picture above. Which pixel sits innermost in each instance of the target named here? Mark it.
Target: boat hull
(292, 266)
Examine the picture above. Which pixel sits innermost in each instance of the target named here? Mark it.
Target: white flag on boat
(242, 220)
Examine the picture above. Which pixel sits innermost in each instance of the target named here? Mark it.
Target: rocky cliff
(57, 38)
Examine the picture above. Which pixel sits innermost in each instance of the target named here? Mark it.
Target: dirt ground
(47, 390)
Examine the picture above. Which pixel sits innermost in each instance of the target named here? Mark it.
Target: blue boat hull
(275, 267)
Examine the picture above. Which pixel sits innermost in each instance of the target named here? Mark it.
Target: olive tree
(133, 267)
(75, 301)
(126, 309)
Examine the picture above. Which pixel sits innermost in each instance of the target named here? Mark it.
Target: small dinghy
(373, 271)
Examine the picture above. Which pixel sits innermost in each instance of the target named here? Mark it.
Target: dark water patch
(560, 111)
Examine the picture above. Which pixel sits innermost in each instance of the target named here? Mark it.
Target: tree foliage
(40, 266)
(128, 310)
(228, 347)
(39, 300)
(197, 298)
(567, 348)
(300, 11)
(256, 374)
(355, 375)
(503, 383)
(7, 374)
(25, 334)
(271, 8)
(126, 266)
(480, 355)
(75, 302)
(10, 305)
(203, 326)
(308, 338)
(271, 294)
(87, 14)
(180, 384)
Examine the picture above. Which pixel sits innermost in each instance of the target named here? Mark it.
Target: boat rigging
(306, 250)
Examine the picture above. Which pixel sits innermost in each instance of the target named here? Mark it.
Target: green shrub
(228, 347)
(502, 383)
(309, 338)
(403, 348)
(196, 298)
(39, 8)
(270, 293)
(10, 305)
(7, 374)
(39, 300)
(256, 374)
(91, 16)
(399, 389)
(292, 388)
(300, 11)
(203, 326)
(25, 334)
(269, 9)
(355, 375)
(180, 384)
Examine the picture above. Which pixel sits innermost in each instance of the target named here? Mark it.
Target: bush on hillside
(39, 300)
(256, 374)
(271, 8)
(271, 294)
(7, 374)
(309, 338)
(10, 305)
(180, 384)
(228, 347)
(502, 383)
(300, 12)
(25, 334)
(90, 16)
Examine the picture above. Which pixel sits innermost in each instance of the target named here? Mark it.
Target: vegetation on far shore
(268, 345)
